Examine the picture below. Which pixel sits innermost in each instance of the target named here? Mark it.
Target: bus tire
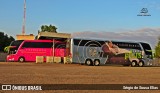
(89, 62)
(21, 59)
(141, 64)
(134, 63)
(96, 62)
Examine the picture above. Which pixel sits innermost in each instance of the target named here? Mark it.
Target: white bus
(95, 52)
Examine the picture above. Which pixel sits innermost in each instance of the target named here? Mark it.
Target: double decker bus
(27, 50)
(96, 52)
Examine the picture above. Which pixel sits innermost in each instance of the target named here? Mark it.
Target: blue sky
(78, 15)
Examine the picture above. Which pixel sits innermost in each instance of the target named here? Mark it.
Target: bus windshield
(147, 49)
(14, 46)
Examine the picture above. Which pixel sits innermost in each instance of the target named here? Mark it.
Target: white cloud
(149, 35)
(152, 4)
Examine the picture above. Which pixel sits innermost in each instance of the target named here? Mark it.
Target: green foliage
(6, 49)
(157, 49)
(50, 28)
(5, 40)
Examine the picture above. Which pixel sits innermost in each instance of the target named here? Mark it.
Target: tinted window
(147, 48)
(16, 43)
(43, 45)
(37, 45)
(127, 45)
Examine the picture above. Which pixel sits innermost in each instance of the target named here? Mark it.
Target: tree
(50, 28)
(6, 49)
(5, 40)
(46, 28)
(157, 49)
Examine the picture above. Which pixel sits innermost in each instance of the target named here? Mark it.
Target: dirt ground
(32, 73)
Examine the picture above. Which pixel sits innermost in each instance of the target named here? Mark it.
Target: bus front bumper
(10, 58)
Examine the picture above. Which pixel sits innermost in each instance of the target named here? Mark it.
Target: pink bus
(27, 50)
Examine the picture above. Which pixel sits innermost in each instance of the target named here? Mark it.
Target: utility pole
(24, 19)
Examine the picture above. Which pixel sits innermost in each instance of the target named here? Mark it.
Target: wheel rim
(133, 64)
(96, 63)
(140, 64)
(21, 59)
(88, 62)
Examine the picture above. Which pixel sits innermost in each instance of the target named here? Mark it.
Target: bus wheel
(21, 59)
(134, 63)
(89, 62)
(141, 64)
(96, 62)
